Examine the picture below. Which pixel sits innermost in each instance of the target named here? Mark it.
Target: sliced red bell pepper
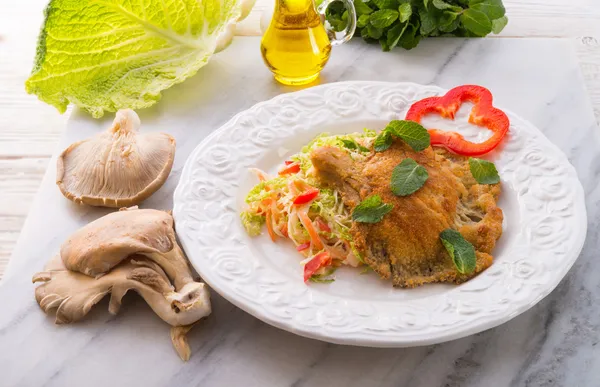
(288, 162)
(306, 196)
(303, 246)
(482, 114)
(323, 226)
(320, 260)
(290, 168)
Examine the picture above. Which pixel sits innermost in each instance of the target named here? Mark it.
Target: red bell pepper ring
(482, 114)
(306, 196)
(320, 260)
(290, 168)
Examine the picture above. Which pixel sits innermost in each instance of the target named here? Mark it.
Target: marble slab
(553, 344)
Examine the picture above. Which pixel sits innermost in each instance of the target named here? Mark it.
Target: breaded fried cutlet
(405, 245)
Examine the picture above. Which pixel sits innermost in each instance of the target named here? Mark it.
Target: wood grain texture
(29, 129)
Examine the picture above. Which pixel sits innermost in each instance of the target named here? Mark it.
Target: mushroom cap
(116, 168)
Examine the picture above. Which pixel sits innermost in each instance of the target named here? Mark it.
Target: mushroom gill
(131, 249)
(117, 168)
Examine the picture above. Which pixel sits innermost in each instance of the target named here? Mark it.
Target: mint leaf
(413, 133)
(383, 141)
(440, 4)
(374, 32)
(353, 145)
(409, 38)
(499, 24)
(371, 210)
(394, 34)
(449, 22)
(383, 42)
(408, 177)
(476, 22)
(362, 21)
(483, 171)
(460, 250)
(493, 9)
(383, 18)
(386, 4)
(405, 11)
(319, 279)
(428, 22)
(362, 8)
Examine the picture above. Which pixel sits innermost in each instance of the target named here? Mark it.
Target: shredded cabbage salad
(294, 206)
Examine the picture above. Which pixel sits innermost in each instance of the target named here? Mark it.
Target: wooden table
(29, 129)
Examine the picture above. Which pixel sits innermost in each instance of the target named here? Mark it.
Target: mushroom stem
(126, 250)
(73, 294)
(180, 342)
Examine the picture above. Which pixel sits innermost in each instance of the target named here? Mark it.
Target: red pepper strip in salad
(290, 168)
(288, 162)
(482, 114)
(303, 246)
(306, 196)
(323, 226)
(312, 232)
(320, 260)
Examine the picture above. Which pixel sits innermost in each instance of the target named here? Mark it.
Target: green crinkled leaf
(476, 22)
(113, 54)
(252, 223)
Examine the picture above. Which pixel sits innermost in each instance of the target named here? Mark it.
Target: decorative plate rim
(318, 321)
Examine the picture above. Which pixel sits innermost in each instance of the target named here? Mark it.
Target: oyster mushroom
(116, 168)
(127, 250)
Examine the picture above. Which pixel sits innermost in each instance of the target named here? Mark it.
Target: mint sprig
(353, 145)
(483, 171)
(371, 210)
(403, 23)
(460, 250)
(413, 133)
(408, 177)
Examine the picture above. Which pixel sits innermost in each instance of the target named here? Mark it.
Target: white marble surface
(552, 344)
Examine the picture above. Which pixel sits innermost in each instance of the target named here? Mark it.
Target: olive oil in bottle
(296, 45)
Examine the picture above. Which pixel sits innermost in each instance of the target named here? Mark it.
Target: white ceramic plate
(542, 200)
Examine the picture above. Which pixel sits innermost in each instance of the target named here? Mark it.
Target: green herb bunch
(404, 22)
